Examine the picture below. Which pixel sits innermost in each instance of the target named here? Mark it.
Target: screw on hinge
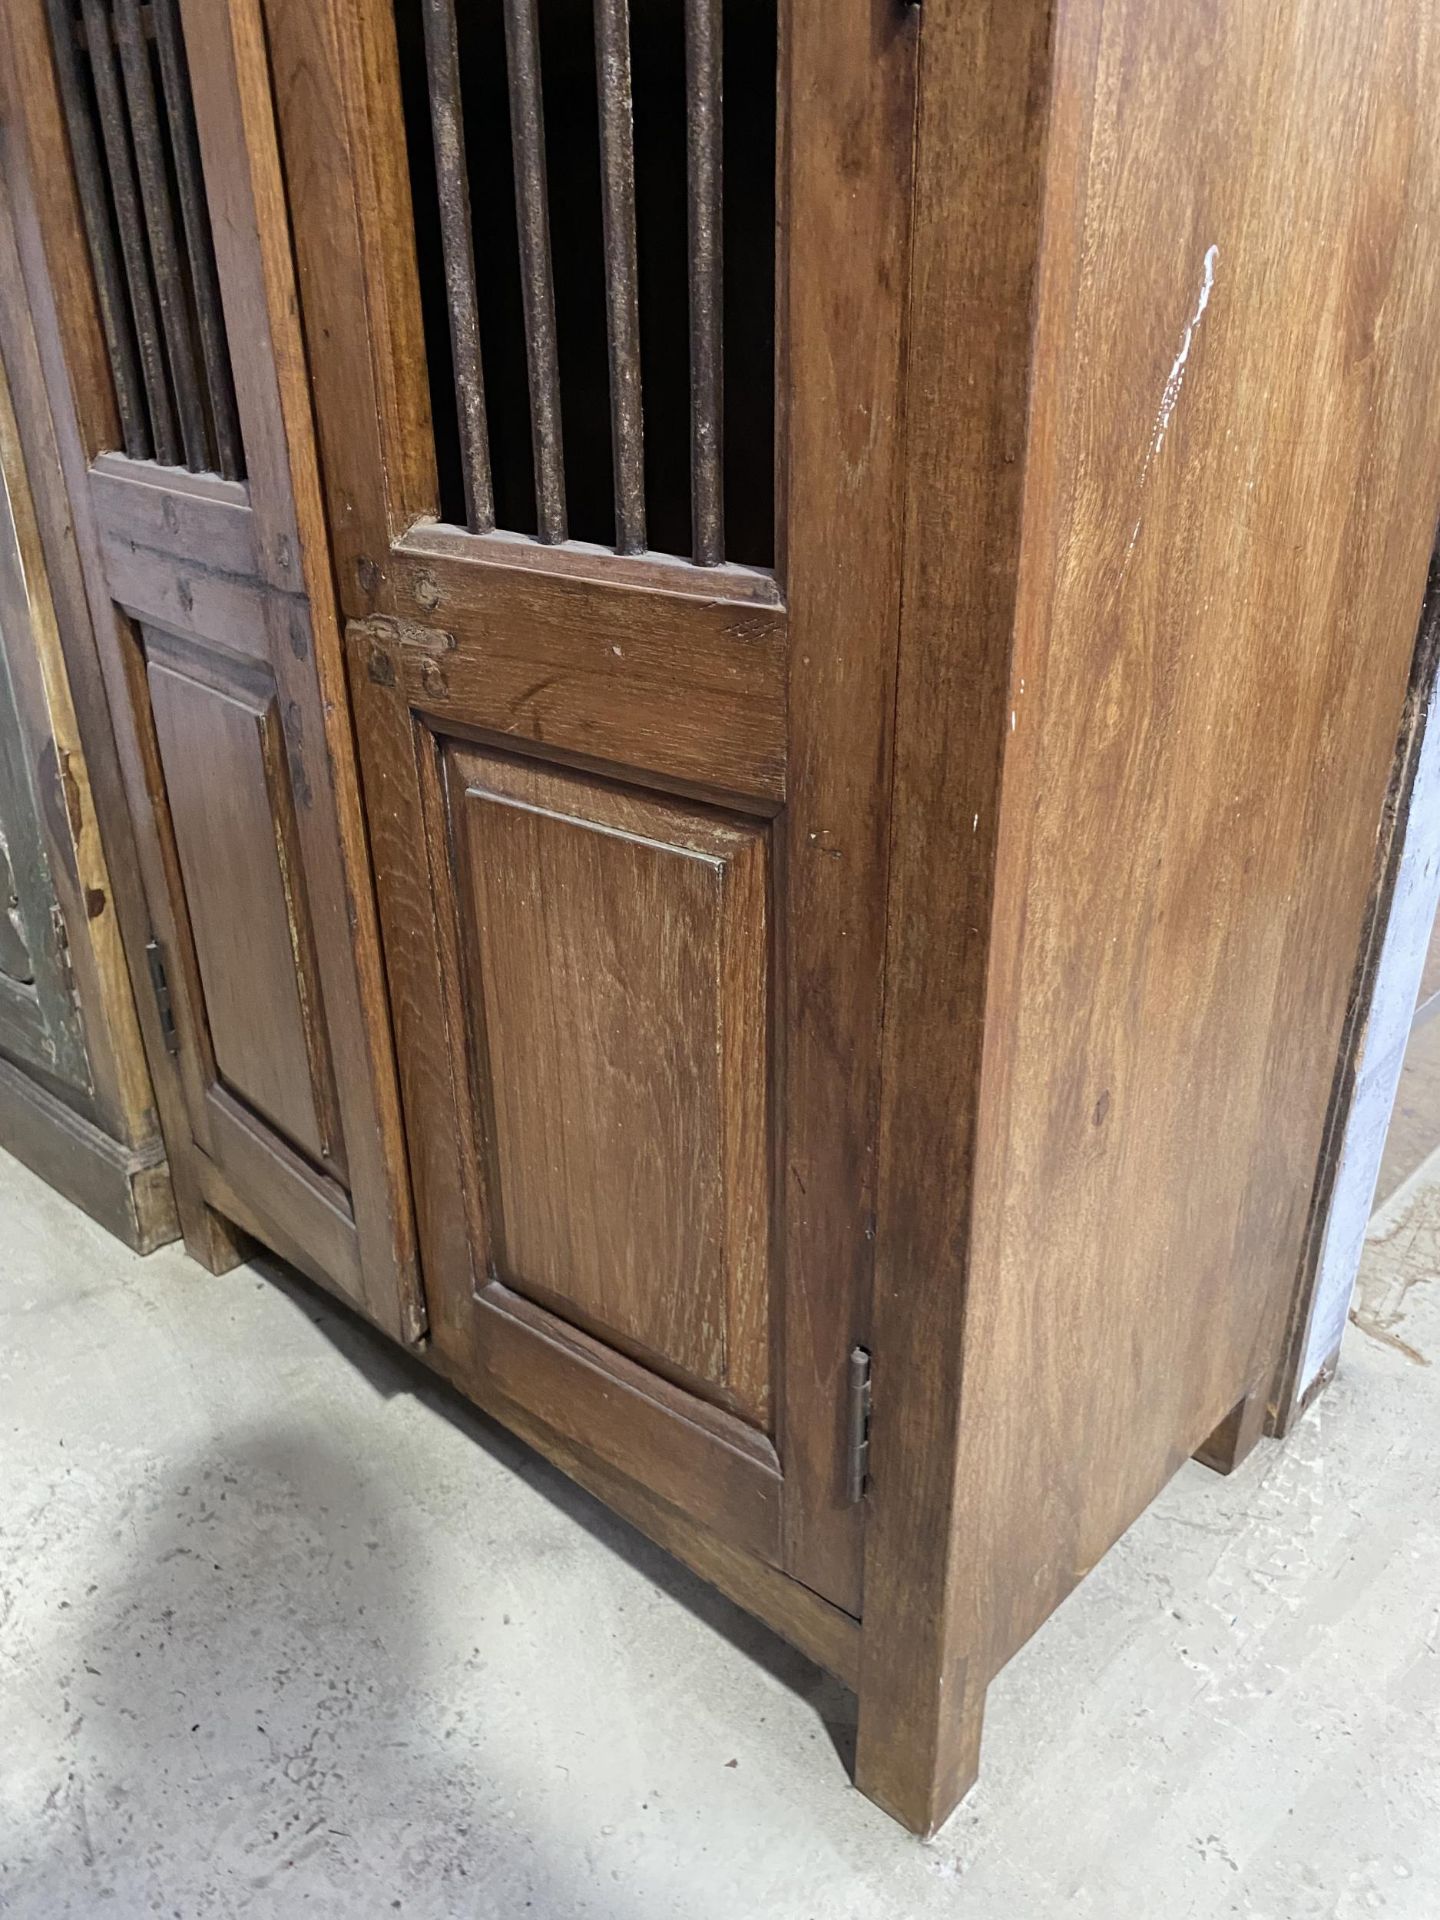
(159, 981)
(857, 1465)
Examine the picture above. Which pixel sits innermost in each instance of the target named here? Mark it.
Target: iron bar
(125, 195)
(115, 318)
(170, 287)
(194, 212)
(704, 115)
(452, 179)
(622, 277)
(527, 135)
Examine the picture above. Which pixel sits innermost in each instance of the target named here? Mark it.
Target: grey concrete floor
(285, 1630)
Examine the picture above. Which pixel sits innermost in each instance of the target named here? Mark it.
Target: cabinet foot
(1234, 1439)
(919, 1774)
(217, 1243)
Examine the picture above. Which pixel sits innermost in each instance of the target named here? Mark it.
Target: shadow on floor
(390, 1370)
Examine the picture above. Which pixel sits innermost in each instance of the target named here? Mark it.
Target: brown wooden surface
(615, 960)
(848, 78)
(658, 676)
(1229, 499)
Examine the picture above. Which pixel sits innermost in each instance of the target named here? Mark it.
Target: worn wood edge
(1286, 1399)
(154, 475)
(649, 571)
(127, 1189)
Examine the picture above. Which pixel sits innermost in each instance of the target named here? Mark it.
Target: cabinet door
(605, 305)
(209, 579)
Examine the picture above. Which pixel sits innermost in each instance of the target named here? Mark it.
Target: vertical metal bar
(109, 279)
(622, 275)
(194, 211)
(704, 114)
(160, 225)
(452, 179)
(527, 138)
(132, 239)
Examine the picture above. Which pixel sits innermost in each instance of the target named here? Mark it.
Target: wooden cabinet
(877, 552)
(75, 1097)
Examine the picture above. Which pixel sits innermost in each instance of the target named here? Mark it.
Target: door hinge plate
(160, 983)
(858, 1461)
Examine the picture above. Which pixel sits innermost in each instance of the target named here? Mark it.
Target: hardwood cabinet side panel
(1230, 491)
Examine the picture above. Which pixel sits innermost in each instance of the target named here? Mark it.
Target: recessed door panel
(615, 955)
(227, 784)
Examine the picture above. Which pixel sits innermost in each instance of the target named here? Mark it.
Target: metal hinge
(161, 984)
(858, 1461)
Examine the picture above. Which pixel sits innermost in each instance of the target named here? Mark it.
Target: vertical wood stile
(104, 261)
(452, 180)
(160, 225)
(622, 278)
(527, 134)
(190, 182)
(126, 197)
(704, 117)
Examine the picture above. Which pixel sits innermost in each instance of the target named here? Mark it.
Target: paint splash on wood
(1170, 393)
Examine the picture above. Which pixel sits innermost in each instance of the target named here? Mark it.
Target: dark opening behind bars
(125, 88)
(594, 194)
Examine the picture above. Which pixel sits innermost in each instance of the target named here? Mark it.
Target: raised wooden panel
(222, 750)
(615, 952)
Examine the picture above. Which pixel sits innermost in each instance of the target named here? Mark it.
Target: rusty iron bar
(622, 275)
(115, 318)
(160, 225)
(194, 212)
(527, 139)
(452, 180)
(125, 195)
(704, 117)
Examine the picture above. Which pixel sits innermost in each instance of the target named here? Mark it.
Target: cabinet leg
(217, 1243)
(1235, 1437)
(918, 1767)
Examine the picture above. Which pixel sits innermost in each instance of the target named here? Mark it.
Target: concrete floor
(284, 1630)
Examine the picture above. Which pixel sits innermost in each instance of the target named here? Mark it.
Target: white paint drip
(1170, 393)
